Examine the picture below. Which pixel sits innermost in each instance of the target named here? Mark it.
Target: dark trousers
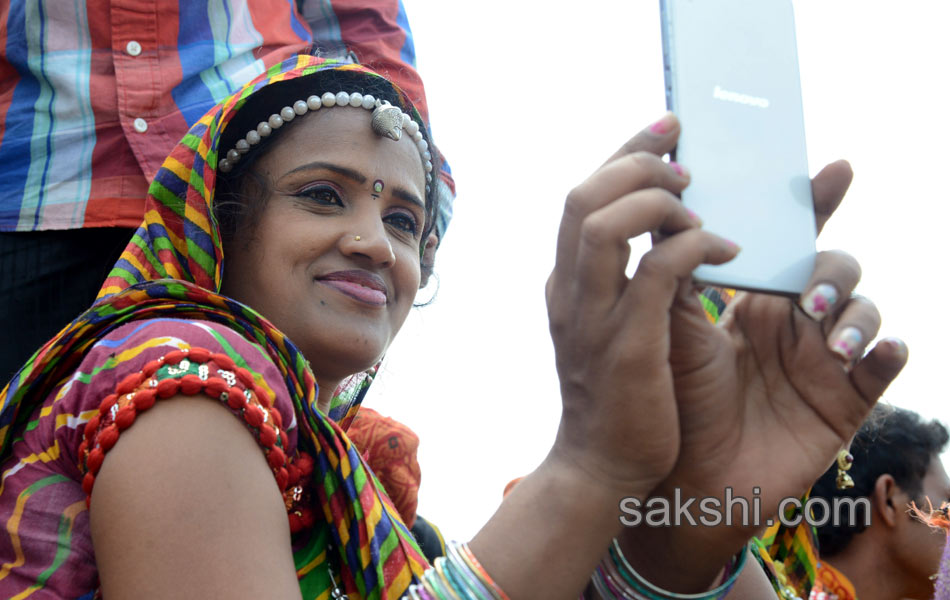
(46, 279)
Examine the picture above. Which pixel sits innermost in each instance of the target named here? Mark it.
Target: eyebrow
(358, 177)
(408, 197)
(348, 173)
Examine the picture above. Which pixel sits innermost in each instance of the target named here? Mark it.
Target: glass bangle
(480, 572)
(456, 576)
(652, 592)
(456, 560)
(439, 585)
(448, 581)
(457, 580)
(414, 593)
(604, 584)
(609, 570)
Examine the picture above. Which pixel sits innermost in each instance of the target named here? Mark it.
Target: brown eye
(404, 222)
(321, 194)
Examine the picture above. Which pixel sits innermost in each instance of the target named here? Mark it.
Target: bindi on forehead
(378, 187)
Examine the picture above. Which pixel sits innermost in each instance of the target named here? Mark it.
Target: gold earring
(843, 481)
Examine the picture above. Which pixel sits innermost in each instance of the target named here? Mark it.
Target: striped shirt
(94, 95)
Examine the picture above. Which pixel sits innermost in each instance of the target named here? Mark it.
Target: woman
(322, 227)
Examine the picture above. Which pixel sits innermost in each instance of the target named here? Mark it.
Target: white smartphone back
(732, 78)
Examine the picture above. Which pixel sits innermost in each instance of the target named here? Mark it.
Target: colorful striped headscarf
(172, 268)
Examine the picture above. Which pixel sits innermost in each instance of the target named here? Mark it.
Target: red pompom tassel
(215, 386)
(107, 403)
(245, 376)
(304, 462)
(125, 417)
(87, 483)
(296, 524)
(224, 361)
(276, 458)
(174, 357)
(294, 474)
(282, 478)
(262, 396)
(150, 368)
(268, 436)
(129, 383)
(199, 355)
(191, 385)
(167, 388)
(91, 426)
(144, 399)
(276, 418)
(108, 437)
(95, 460)
(254, 416)
(236, 399)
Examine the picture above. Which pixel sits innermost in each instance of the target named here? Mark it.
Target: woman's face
(333, 260)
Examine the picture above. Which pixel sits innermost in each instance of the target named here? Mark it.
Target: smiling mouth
(364, 287)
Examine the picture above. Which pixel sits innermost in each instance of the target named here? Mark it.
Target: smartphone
(732, 78)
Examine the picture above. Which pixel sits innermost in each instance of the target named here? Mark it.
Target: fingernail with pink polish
(664, 125)
(848, 343)
(679, 169)
(819, 301)
(694, 216)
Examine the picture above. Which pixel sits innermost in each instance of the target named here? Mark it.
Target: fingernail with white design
(848, 343)
(819, 301)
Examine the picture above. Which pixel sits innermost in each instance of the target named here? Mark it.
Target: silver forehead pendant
(387, 121)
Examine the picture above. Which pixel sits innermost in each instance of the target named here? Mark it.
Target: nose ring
(356, 238)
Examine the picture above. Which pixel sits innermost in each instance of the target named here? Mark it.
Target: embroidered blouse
(46, 549)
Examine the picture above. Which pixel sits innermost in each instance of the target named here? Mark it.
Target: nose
(368, 240)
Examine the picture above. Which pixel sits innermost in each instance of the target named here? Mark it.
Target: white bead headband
(388, 121)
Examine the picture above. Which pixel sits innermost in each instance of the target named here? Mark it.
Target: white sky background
(529, 97)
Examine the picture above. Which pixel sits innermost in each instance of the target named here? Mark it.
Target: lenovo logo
(721, 94)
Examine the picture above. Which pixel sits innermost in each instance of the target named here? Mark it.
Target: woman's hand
(770, 395)
(619, 434)
(766, 398)
(612, 334)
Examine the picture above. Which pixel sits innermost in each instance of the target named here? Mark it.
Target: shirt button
(140, 125)
(133, 48)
